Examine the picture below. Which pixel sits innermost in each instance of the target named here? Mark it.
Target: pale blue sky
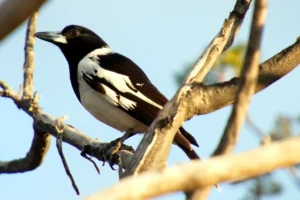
(160, 36)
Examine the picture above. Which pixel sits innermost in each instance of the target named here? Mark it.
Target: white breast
(103, 109)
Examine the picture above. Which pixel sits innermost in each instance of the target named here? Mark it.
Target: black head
(74, 41)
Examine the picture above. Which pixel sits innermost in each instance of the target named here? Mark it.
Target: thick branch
(154, 148)
(215, 170)
(13, 13)
(34, 157)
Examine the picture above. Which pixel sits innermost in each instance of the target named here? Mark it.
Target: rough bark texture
(29, 57)
(213, 97)
(153, 151)
(187, 177)
(192, 99)
(246, 87)
(34, 157)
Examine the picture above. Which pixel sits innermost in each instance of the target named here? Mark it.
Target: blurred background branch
(13, 13)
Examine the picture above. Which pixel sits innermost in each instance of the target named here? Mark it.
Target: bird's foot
(110, 153)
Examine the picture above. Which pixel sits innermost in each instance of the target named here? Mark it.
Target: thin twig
(60, 128)
(256, 128)
(9, 92)
(63, 159)
(83, 154)
(29, 57)
(293, 171)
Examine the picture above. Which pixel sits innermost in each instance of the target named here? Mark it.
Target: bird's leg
(116, 144)
(127, 135)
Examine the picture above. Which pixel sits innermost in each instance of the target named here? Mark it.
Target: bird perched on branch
(111, 86)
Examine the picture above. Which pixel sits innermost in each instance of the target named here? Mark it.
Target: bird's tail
(184, 141)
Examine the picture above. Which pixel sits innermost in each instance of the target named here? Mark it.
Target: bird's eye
(73, 33)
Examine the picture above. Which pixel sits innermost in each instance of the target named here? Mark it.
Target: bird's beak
(53, 37)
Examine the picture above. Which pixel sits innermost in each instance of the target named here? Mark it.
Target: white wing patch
(90, 65)
(126, 103)
(116, 99)
(110, 95)
(121, 82)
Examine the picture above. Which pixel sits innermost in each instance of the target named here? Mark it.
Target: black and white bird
(111, 86)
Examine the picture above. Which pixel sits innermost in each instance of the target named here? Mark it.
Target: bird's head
(74, 41)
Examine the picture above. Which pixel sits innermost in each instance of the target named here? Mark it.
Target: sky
(161, 37)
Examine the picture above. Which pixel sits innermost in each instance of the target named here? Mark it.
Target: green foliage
(233, 58)
(230, 59)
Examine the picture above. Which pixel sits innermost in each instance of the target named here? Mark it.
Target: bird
(110, 86)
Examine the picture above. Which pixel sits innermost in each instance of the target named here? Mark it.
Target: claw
(111, 164)
(114, 146)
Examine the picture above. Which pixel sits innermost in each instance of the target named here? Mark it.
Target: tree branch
(187, 177)
(77, 139)
(29, 103)
(247, 86)
(213, 97)
(221, 42)
(13, 13)
(29, 57)
(41, 140)
(34, 157)
(248, 81)
(154, 148)
(259, 132)
(162, 131)
(63, 159)
(219, 95)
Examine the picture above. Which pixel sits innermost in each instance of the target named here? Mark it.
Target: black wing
(122, 65)
(143, 111)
